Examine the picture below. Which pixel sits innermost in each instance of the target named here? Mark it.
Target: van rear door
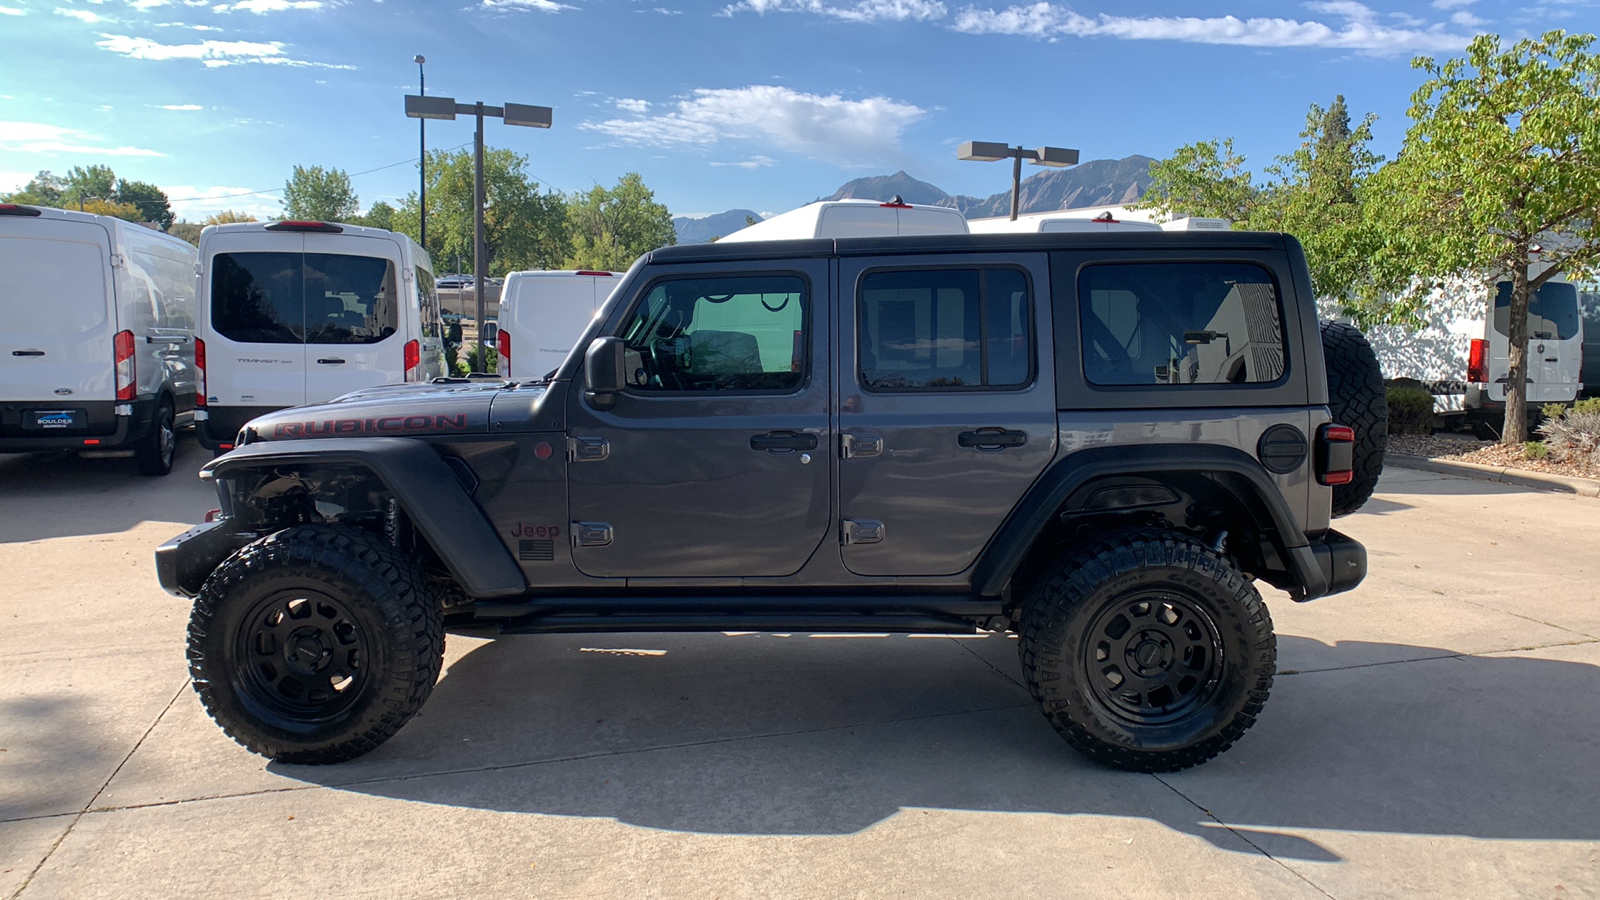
(57, 312)
(1555, 343)
(257, 313)
(355, 322)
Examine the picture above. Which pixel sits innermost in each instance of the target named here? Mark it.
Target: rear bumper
(184, 563)
(222, 423)
(1343, 561)
(102, 428)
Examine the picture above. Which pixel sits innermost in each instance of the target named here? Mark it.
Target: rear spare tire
(1356, 397)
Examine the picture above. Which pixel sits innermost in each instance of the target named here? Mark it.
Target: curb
(1586, 487)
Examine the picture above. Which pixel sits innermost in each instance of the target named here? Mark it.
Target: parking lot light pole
(422, 158)
(989, 151)
(425, 107)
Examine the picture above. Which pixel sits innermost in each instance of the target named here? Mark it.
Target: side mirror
(603, 372)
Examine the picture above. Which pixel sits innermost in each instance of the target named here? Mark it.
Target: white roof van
(295, 312)
(854, 218)
(542, 315)
(1090, 220)
(96, 336)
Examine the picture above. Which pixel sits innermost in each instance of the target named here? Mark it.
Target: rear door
(1555, 342)
(947, 410)
(56, 304)
(355, 325)
(255, 304)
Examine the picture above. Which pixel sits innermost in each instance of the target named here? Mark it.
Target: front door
(947, 411)
(714, 461)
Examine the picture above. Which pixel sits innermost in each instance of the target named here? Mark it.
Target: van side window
(735, 333)
(945, 329)
(256, 298)
(427, 292)
(1180, 323)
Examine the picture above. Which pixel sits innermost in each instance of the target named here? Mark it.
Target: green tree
(1206, 178)
(151, 201)
(612, 228)
(1502, 160)
(44, 189)
(89, 183)
(319, 194)
(523, 228)
(186, 230)
(381, 215)
(136, 201)
(228, 216)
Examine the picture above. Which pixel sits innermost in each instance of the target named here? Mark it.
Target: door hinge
(591, 534)
(854, 445)
(587, 449)
(862, 531)
(116, 260)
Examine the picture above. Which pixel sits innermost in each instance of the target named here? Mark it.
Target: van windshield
(52, 287)
(312, 298)
(1552, 311)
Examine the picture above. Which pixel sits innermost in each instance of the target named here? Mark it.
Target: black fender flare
(1030, 517)
(424, 487)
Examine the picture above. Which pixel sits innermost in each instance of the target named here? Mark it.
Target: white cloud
(754, 162)
(182, 107)
(142, 5)
(39, 137)
(848, 128)
(262, 7)
(1452, 4)
(1359, 32)
(1466, 19)
(664, 11)
(197, 203)
(82, 15)
(862, 11)
(634, 106)
(210, 54)
(12, 11)
(548, 6)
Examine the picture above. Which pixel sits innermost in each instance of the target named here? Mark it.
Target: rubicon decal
(384, 425)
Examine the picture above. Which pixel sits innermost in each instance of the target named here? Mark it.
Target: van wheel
(1357, 398)
(315, 644)
(1147, 650)
(156, 450)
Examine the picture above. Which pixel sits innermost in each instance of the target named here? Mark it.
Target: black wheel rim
(301, 656)
(1152, 657)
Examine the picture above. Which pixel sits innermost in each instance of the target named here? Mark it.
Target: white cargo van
(542, 314)
(1461, 354)
(1089, 221)
(854, 218)
(96, 336)
(293, 312)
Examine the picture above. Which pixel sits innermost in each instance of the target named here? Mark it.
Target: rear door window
(1553, 313)
(945, 329)
(1180, 324)
(293, 298)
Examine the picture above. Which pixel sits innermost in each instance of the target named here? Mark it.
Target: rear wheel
(155, 451)
(1147, 651)
(315, 644)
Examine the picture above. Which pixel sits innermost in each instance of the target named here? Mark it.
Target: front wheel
(314, 644)
(1147, 650)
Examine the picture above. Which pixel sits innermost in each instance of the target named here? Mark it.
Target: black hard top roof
(967, 243)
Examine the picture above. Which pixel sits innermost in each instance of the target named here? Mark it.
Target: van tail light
(503, 344)
(413, 359)
(1477, 362)
(122, 344)
(1335, 454)
(199, 374)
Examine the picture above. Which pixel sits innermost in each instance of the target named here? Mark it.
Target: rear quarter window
(1180, 323)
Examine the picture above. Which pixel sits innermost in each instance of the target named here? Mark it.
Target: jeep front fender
(429, 493)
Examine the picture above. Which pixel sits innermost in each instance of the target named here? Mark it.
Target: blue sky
(764, 104)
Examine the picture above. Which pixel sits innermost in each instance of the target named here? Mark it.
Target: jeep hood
(400, 410)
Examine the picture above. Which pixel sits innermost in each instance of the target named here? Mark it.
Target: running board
(569, 623)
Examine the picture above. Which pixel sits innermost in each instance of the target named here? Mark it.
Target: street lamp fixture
(422, 158)
(989, 151)
(424, 107)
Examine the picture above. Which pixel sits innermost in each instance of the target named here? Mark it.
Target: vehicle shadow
(745, 735)
(49, 495)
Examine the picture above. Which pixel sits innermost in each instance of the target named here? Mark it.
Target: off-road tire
(1215, 626)
(1357, 398)
(358, 602)
(154, 453)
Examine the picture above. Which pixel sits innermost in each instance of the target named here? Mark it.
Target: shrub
(1410, 411)
(1591, 405)
(1576, 434)
(1535, 450)
(487, 364)
(1552, 410)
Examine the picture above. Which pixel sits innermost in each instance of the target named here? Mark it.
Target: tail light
(413, 359)
(1335, 454)
(122, 344)
(1477, 362)
(199, 374)
(503, 344)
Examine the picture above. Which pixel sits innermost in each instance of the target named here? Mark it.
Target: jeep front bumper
(184, 563)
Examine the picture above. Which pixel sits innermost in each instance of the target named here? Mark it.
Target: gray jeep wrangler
(1097, 441)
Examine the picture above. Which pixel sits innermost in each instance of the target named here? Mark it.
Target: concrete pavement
(1433, 734)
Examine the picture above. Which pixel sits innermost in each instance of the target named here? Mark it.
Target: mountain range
(1098, 182)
